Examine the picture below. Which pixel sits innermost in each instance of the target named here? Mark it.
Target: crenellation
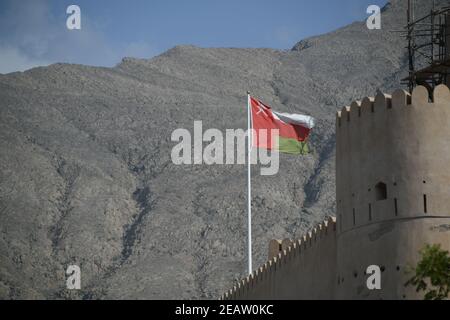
(249, 281)
(345, 114)
(275, 264)
(244, 286)
(254, 275)
(294, 248)
(420, 96)
(377, 105)
(274, 247)
(355, 111)
(271, 267)
(286, 243)
(441, 94)
(367, 107)
(272, 262)
(383, 101)
(338, 119)
(324, 229)
(401, 98)
(279, 259)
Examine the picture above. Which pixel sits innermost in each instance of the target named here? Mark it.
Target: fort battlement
(268, 279)
(392, 198)
(373, 108)
(392, 186)
(393, 147)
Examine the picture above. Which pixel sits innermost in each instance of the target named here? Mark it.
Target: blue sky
(34, 31)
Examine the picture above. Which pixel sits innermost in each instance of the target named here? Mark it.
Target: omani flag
(293, 129)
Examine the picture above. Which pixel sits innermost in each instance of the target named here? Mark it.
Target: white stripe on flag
(299, 119)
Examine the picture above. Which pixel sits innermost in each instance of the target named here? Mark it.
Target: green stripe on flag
(293, 146)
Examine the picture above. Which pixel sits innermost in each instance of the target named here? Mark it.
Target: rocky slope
(86, 176)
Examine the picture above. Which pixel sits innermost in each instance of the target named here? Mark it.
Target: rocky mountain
(86, 175)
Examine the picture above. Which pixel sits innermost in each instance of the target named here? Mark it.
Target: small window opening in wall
(382, 268)
(355, 274)
(398, 268)
(424, 182)
(339, 122)
(359, 112)
(372, 108)
(348, 116)
(396, 207)
(425, 209)
(354, 216)
(381, 191)
(370, 212)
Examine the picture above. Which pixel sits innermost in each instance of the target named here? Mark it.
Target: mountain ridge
(86, 175)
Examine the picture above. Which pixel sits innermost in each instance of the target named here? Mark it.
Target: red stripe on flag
(263, 118)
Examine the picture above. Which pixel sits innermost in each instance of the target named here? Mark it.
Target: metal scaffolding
(428, 47)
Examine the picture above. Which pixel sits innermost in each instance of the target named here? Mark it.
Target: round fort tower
(392, 188)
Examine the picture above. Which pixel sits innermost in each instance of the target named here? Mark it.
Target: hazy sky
(33, 32)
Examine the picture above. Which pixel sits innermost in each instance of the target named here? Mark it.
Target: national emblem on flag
(293, 129)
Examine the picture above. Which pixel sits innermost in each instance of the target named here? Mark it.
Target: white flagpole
(249, 141)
